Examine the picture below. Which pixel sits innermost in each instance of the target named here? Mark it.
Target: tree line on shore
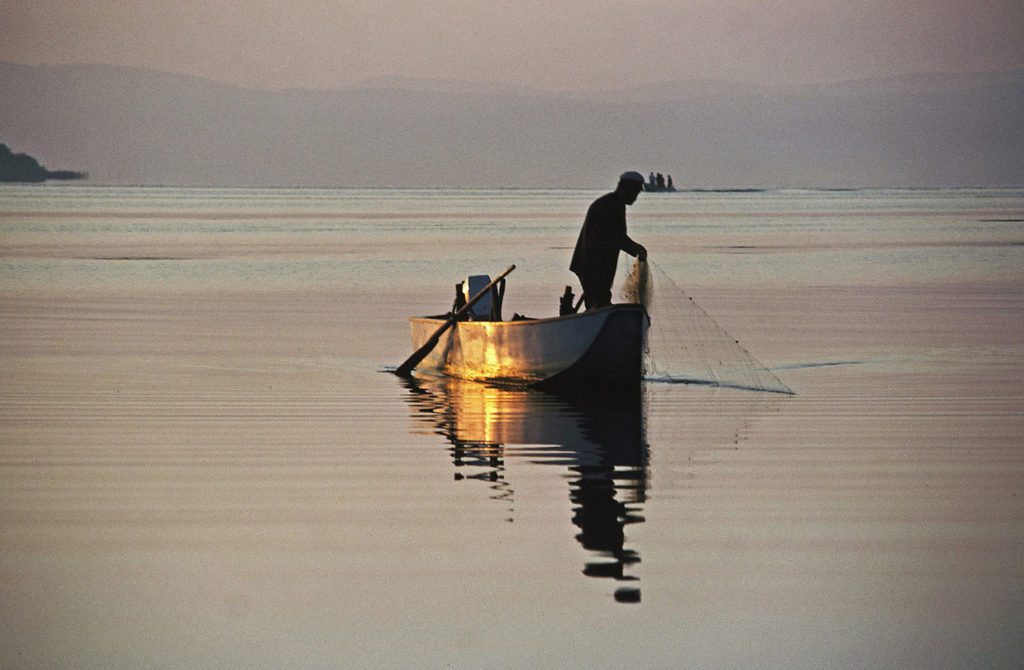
(24, 168)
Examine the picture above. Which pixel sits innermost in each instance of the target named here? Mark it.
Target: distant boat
(652, 188)
(598, 348)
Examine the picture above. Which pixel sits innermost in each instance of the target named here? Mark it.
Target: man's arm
(627, 244)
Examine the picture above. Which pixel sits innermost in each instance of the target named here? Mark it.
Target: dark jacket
(603, 235)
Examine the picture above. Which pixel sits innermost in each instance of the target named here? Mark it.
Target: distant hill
(133, 126)
(23, 168)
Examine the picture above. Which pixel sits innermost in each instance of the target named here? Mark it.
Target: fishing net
(685, 345)
(637, 287)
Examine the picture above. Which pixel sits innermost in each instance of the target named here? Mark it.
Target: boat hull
(601, 347)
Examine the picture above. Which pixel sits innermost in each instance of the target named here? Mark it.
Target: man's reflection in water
(599, 438)
(602, 519)
(607, 496)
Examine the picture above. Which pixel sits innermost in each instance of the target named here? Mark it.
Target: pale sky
(556, 45)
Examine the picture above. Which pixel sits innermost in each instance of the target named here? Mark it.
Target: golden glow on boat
(494, 358)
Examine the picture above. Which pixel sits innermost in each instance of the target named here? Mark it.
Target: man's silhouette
(602, 237)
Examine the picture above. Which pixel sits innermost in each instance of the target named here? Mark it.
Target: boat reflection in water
(599, 439)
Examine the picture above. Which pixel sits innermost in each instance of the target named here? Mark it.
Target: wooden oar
(406, 368)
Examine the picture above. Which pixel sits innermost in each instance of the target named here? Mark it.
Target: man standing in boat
(603, 235)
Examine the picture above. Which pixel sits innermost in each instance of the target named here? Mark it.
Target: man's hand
(643, 253)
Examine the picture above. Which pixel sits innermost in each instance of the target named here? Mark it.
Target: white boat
(602, 347)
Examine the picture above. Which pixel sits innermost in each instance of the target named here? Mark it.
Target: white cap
(632, 175)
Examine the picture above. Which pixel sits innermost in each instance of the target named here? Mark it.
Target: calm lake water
(203, 462)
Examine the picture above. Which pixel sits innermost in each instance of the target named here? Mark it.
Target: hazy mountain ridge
(131, 126)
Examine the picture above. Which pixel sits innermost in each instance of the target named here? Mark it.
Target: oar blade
(406, 368)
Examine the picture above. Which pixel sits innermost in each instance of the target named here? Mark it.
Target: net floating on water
(685, 344)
